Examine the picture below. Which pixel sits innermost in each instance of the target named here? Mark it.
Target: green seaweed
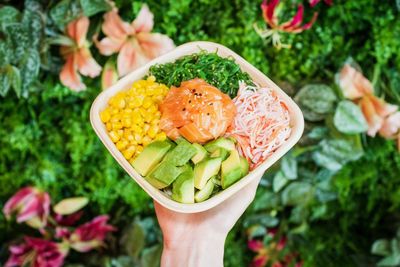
(220, 72)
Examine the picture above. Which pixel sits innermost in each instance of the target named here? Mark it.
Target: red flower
(270, 14)
(259, 260)
(314, 2)
(255, 245)
(37, 252)
(270, 11)
(30, 205)
(90, 235)
(68, 220)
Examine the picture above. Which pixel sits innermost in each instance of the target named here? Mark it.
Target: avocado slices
(192, 172)
(151, 156)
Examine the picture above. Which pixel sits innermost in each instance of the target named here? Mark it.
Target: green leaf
(279, 181)
(316, 101)
(398, 5)
(151, 256)
(133, 239)
(33, 21)
(297, 193)
(264, 218)
(4, 83)
(64, 12)
(29, 67)
(70, 205)
(18, 36)
(391, 261)
(349, 119)
(92, 7)
(15, 78)
(265, 200)
(334, 153)
(289, 167)
(381, 247)
(298, 214)
(8, 14)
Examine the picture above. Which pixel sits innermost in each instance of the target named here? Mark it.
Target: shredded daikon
(262, 123)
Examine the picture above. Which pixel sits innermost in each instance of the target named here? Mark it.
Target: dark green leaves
(8, 14)
(349, 119)
(64, 12)
(92, 7)
(297, 193)
(334, 153)
(316, 101)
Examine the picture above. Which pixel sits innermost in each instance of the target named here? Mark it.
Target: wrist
(197, 250)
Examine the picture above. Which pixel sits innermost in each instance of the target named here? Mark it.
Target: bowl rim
(297, 123)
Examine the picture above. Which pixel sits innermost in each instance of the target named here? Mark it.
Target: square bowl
(100, 103)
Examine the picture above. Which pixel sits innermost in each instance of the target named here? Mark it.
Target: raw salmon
(197, 111)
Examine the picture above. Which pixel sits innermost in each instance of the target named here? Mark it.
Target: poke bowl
(188, 143)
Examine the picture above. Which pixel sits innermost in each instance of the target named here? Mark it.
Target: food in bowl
(195, 127)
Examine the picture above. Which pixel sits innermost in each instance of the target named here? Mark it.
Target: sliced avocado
(221, 142)
(181, 154)
(165, 172)
(204, 170)
(183, 187)
(151, 156)
(204, 193)
(216, 180)
(231, 170)
(220, 153)
(244, 164)
(200, 154)
(156, 183)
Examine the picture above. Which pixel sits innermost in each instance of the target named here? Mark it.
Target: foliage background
(46, 138)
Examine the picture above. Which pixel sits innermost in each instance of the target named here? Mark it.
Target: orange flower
(391, 128)
(134, 42)
(77, 56)
(359, 89)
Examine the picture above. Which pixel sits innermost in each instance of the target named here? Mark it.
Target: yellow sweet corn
(132, 117)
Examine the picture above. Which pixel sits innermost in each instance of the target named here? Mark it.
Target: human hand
(197, 239)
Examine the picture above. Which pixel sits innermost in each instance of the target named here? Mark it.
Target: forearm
(204, 251)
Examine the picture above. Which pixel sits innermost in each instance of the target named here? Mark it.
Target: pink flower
(255, 245)
(30, 205)
(270, 14)
(259, 261)
(134, 42)
(77, 56)
(353, 84)
(314, 2)
(359, 89)
(375, 111)
(391, 128)
(37, 252)
(68, 220)
(90, 235)
(109, 75)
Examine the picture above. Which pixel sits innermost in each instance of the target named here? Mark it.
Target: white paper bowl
(297, 124)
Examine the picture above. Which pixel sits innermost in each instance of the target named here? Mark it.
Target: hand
(198, 239)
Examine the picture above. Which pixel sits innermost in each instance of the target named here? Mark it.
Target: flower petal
(108, 46)
(77, 30)
(87, 66)
(296, 21)
(269, 11)
(69, 75)
(313, 2)
(130, 57)
(391, 126)
(18, 199)
(155, 44)
(373, 119)
(115, 27)
(311, 22)
(109, 75)
(353, 84)
(144, 22)
(255, 245)
(382, 108)
(70, 205)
